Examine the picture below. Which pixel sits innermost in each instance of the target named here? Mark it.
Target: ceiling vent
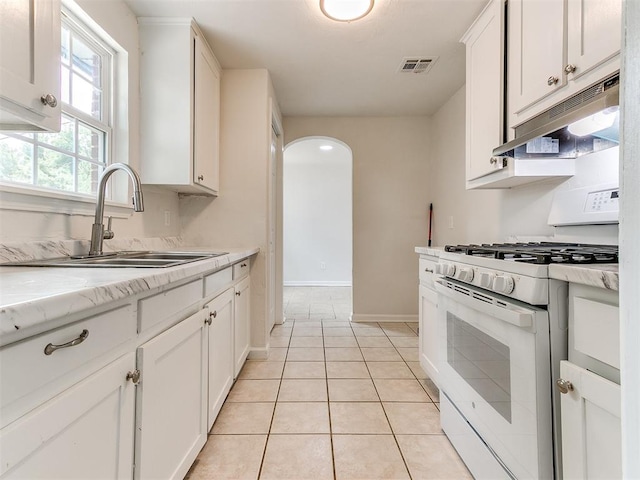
(417, 64)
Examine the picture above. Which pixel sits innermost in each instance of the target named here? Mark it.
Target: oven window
(482, 361)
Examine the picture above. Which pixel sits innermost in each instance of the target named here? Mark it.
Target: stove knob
(445, 269)
(486, 280)
(450, 270)
(503, 284)
(465, 274)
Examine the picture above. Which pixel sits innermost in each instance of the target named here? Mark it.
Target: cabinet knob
(565, 386)
(552, 80)
(208, 320)
(200, 177)
(49, 100)
(493, 160)
(134, 376)
(570, 68)
(238, 294)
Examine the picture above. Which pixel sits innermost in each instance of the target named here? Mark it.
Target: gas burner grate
(541, 253)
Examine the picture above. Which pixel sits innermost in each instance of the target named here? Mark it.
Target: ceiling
(320, 67)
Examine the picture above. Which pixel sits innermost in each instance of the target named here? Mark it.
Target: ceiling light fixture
(326, 148)
(346, 10)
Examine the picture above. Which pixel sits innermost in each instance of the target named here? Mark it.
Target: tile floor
(334, 400)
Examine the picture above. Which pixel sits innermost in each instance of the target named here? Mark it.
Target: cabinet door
(242, 321)
(29, 64)
(484, 89)
(220, 338)
(536, 51)
(85, 432)
(171, 419)
(591, 434)
(594, 30)
(428, 315)
(206, 120)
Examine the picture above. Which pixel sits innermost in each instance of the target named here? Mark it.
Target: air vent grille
(419, 65)
(576, 100)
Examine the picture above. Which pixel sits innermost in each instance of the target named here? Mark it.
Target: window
(72, 160)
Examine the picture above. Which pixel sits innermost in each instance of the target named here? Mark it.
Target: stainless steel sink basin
(122, 259)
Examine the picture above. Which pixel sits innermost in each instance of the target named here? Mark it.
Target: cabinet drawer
(427, 268)
(25, 367)
(241, 269)
(596, 330)
(158, 308)
(216, 282)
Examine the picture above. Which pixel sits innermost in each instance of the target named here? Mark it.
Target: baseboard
(364, 317)
(317, 284)
(258, 353)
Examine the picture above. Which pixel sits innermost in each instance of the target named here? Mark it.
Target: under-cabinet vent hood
(584, 123)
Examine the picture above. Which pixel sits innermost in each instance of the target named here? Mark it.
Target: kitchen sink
(145, 259)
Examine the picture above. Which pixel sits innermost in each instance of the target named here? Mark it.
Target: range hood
(549, 134)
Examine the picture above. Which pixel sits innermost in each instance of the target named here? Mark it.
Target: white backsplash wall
(520, 213)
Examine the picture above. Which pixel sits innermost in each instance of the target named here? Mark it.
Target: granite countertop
(604, 275)
(433, 251)
(32, 296)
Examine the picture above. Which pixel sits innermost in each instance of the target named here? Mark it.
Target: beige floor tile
(413, 326)
(399, 330)
(368, 332)
(254, 391)
(352, 390)
(348, 354)
(228, 457)
(417, 370)
(301, 417)
(389, 370)
(431, 388)
(382, 354)
(340, 342)
(432, 457)
(277, 354)
(304, 370)
(409, 354)
(297, 457)
(368, 457)
(347, 370)
(243, 418)
(404, 342)
(338, 332)
(303, 390)
(306, 342)
(279, 342)
(305, 354)
(336, 323)
(279, 331)
(358, 418)
(375, 342)
(307, 323)
(307, 331)
(391, 390)
(413, 418)
(261, 370)
(365, 325)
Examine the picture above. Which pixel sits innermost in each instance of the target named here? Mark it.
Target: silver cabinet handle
(428, 270)
(243, 264)
(552, 80)
(49, 100)
(49, 349)
(570, 68)
(565, 386)
(134, 376)
(212, 315)
(493, 160)
(238, 294)
(200, 177)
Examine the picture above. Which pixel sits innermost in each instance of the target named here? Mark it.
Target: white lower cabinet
(220, 356)
(86, 432)
(171, 420)
(428, 328)
(242, 318)
(591, 426)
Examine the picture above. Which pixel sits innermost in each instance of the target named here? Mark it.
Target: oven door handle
(515, 315)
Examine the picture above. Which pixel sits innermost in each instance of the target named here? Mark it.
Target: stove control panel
(503, 284)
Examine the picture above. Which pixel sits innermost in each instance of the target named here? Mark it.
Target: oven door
(495, 369)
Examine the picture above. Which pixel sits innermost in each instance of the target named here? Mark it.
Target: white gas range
(503, 332)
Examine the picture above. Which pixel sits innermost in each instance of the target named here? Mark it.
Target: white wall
(390, 205)
(317, 213)
(21, 221)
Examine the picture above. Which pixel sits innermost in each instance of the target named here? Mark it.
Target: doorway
(317, 229)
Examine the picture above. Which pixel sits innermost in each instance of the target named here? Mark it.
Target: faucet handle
(108, 233)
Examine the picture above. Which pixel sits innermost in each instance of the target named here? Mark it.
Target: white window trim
(30, 198)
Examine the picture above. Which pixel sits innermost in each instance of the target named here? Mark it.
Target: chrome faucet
(97, 231)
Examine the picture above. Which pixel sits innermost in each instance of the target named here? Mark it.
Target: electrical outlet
(323, 266)
(167, 218)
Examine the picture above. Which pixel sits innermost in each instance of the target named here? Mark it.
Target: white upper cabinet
(557, 48)
(484, 89)
(30, 65)
(180, 107)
